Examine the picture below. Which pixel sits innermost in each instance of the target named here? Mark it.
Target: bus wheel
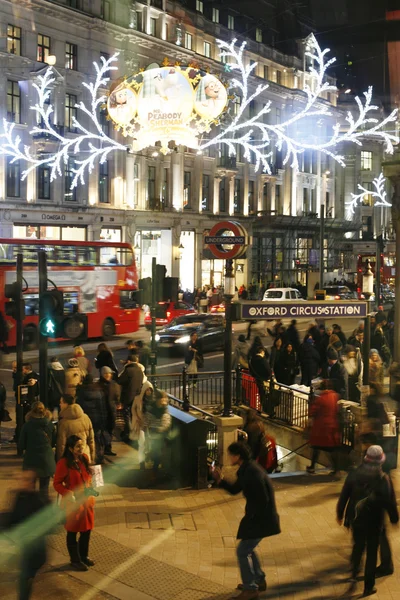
(30, 339)
(108, 329)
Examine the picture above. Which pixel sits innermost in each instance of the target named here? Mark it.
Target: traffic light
(161, 271)
(15, 308)
(171, 287)
(54, 324)
(144, 293)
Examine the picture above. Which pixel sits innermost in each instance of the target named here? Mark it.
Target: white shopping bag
(97, 476)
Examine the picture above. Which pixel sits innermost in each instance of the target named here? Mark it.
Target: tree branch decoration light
(378, 194)
(257, 138)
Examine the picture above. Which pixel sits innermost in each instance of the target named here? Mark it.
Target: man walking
(131, 380)
(260, 520)
(366, 495)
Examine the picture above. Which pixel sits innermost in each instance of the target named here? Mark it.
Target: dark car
(176, 335)
(338, 292)
(167, 311)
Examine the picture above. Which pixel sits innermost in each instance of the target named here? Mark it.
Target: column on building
(231, 193)
(246, 173)
(198, 182)
(130, 180)
(320, 186)
(199, 246)
(177, 168)
(216, 180)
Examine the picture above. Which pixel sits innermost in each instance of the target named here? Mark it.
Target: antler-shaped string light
(379, 194)
(257, 138)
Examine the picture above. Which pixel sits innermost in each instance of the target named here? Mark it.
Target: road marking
(9, 370)
(181, 363)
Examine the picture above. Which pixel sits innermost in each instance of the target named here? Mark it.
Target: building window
(222, 195)
(199, 6)
(44, 183)
(366, 161)
(14, 40)
(74, 4)
(71, 56)
(153, 26)
(70, 112)
(104, 195)
(13, 102)
(215, 15)
(251, 197)
(105, 10)
(188, 41)
(231, 22)
(43, 48)
(266, 72)
(253, 62)
(104, 55)
(104, 122)
(279, 77)
(151, 187)
(187, 189)
(165, 188)
(13, 178)
(69, 194)
(237, 200)
(278, 203)
(224, 59)
(368, 199)
(236, 105)
(135, 184)
(207, 49)
(259, 36)
(205, 193)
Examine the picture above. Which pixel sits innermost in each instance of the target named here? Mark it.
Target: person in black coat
(92, 399)
(260, 520)
(261, 371)
(366, 495)
(105, 358)
(292, 336)
(31, 380)
(337, 330)
(288, 365)
(337, 374)
(310, 361)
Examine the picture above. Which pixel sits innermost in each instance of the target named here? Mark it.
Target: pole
(367, 344)
(43, 387)
(19, 417)
(321, 246)
(153, 315)
(378, 265)
(229, 292)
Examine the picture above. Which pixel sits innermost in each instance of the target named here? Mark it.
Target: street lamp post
(229, 292)
(367, 289)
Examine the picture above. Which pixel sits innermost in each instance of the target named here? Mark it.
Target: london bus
(388, 268)
(98, 279)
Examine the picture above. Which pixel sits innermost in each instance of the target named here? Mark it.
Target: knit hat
(375, 455)
(380, 317)
(105, 370)
(332, 354)
(241, 338)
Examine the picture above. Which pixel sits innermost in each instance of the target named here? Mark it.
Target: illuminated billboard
(167, 104)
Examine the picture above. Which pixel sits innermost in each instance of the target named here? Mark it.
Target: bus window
(86, 256)
(108, 256)
(125, 256)
(71, 302)
(66, 255)
(31, 304)
(127, 299)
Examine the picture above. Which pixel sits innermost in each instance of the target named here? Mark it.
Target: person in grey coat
(261, 518)
(131, 380)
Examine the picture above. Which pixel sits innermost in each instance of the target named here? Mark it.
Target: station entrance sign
(305, 310)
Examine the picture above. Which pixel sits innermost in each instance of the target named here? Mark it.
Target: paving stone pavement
(157, 544)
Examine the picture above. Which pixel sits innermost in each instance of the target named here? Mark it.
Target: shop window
(205, 199)
(279, 77)
(266, 72)
(70, 195)
(251, 197)
(366, 161)
(187, 190)
(215, 15)
(43, 48)
(151, 188)
(222, 195)
(74, 4)
(104, 183)
(13, 102)
(74, 234)
(71, 56)
(43, 178)
(237, 197)
(71, 112)
(188, 41)
(14, 40)
(110, 235)
(207, 49)
(13, 178)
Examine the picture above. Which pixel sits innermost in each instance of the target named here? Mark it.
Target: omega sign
(46, 217)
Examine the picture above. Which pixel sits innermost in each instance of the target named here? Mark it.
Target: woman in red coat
(324, 432)
(73, 482)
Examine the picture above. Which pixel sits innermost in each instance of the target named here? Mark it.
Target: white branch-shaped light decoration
(257, 138)
(97, 145)
(378, 194)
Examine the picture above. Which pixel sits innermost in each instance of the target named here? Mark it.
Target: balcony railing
(226, 162)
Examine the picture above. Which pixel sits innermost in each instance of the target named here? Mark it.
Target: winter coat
(275, 362)
(92, 399)
(354, 368)
(112, 391)
(324, 412)
(56, 381)
(73, 378)
(376, 373)
(36, 441)
(240, 355)
(292, 337)
(84, 364)
(261, 518)
(310, 362)
(73, 421)
(105, 359)
(259, 368)
(33, 390)
(380, 342)
(339, 377)
(157, 420)
(131, 380)
(137, 412)
(288, 367)
(358, 483)
(80, 514)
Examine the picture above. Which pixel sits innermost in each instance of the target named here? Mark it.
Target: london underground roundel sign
(227, 240)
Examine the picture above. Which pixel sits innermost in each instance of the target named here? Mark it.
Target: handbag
(192, 368)
(96, 472)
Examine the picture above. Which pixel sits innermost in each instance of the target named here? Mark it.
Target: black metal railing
(203, 389)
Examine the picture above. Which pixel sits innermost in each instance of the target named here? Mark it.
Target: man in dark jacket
(112, 393)
(30, 379)
(379, 340)
(261, 371)
(336, 372)
(366, 495)
(310, 360)
(337, 330)
(131, 380)
(91, 398)
(292, 336)
(260, 520)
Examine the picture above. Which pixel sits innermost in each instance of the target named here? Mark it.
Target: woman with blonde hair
(84, 363)
(376, 373)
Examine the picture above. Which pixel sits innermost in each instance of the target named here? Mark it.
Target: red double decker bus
(98, 279)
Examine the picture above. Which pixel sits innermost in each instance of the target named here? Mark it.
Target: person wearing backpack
(366, 495)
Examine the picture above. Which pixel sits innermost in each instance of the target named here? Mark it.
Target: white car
(274, 294)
